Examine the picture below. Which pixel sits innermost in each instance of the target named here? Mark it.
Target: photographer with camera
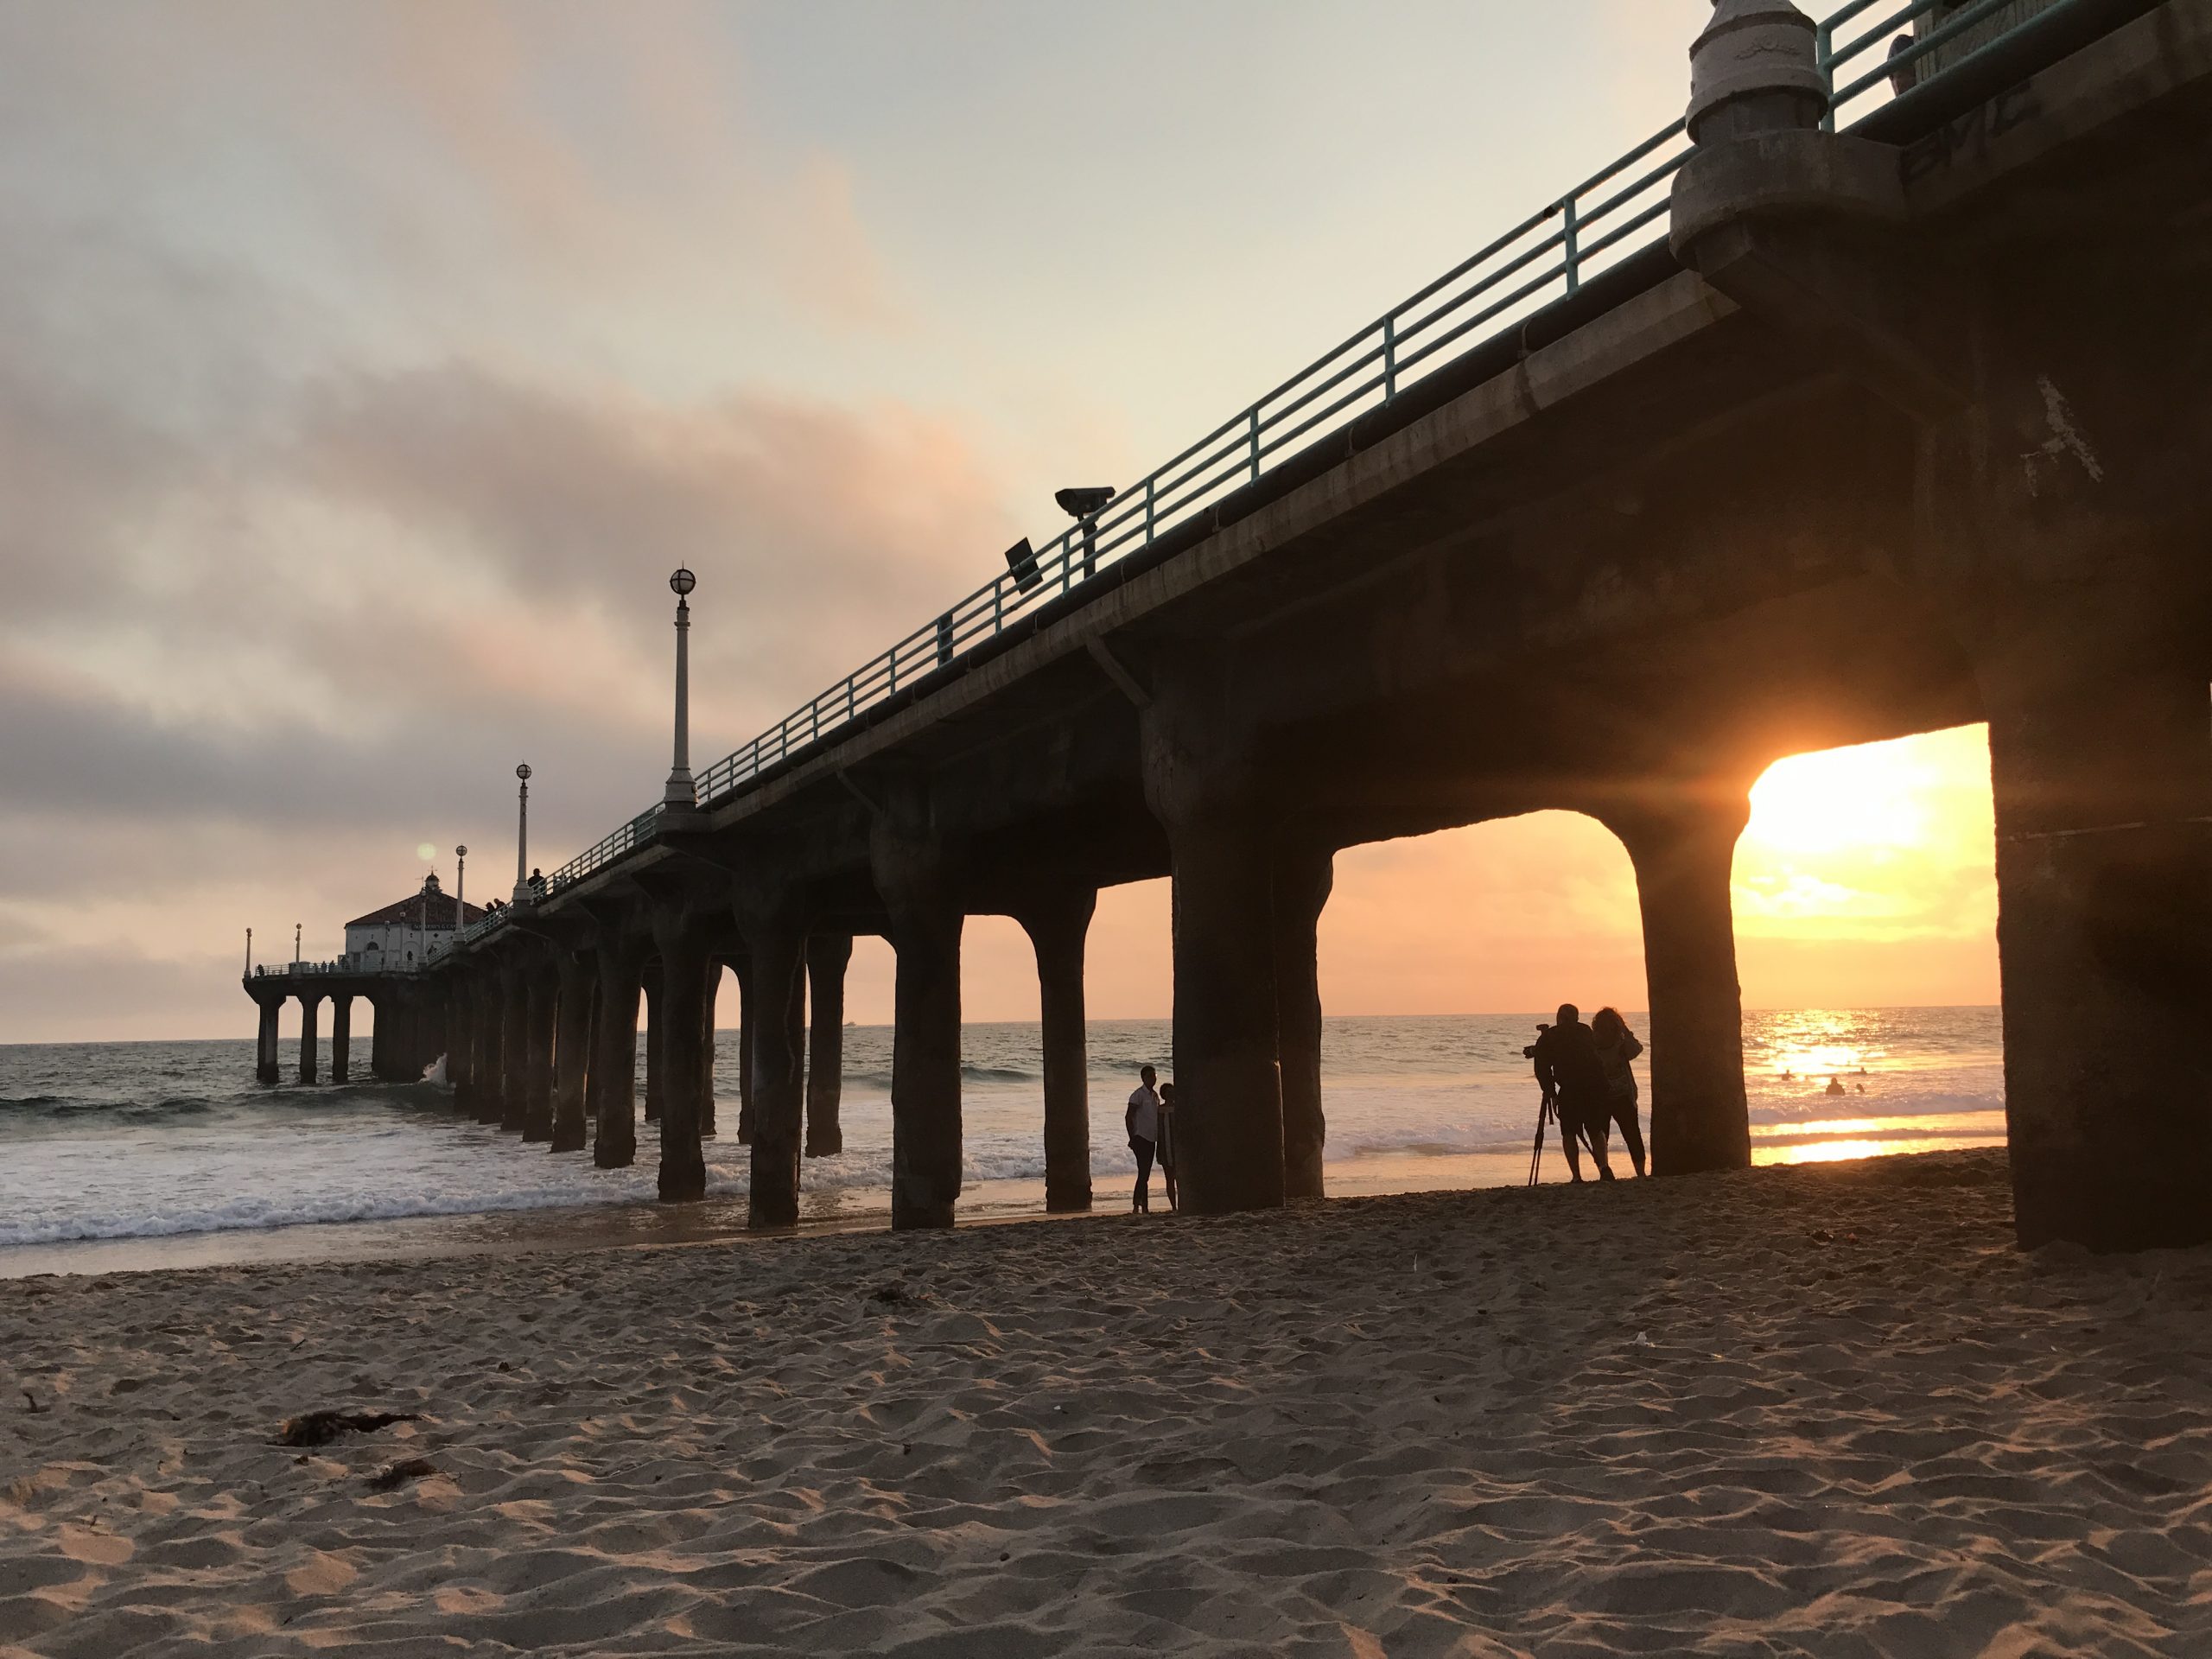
(1571, 1074)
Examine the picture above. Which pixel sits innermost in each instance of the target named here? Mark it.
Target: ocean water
(176, 1140)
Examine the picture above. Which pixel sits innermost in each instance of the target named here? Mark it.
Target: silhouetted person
(1903, 77)
(1143, 1121)
(1617, 1046)
(538, 884)
(1167, 1145)
(1835, 1086)
(1573, 1079)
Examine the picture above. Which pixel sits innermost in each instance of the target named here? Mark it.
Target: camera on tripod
(1529, 1052)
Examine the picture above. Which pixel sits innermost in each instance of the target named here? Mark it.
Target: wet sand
(1823, 1410)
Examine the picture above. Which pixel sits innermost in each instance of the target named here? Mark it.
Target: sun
(1860, 799)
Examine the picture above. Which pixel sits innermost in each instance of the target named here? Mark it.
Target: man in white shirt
(1143, 1121)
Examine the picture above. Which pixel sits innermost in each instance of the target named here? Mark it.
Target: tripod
(1545, 1113)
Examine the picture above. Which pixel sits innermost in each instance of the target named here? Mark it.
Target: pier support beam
(828, 955)
(1684, 851)
(264, 1047)
(655, 1028)
(514, 1046)
(1303, 881)
(710, 993)
(925, 928)
(775, 934)
(1201, 785)
(747, 1018)
(310, 1006)
(683, 941)
(485, 1105)
(541, 994)
(341, 1037)
(571, 1051)
(614, 1062)
(1057, 925)
(2101, 759)
(460, 1037)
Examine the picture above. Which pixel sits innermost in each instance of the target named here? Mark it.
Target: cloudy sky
(365, 368)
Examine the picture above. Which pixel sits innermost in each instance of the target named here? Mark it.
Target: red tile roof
(407, 913)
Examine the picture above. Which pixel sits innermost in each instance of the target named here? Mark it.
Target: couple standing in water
(1589, 1085)
(1151, 1122)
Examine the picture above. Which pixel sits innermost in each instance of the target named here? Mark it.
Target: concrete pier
(515, 1043)
(748, 1013)
(775, 934)
(828, 955)
(1895, 433)
(1302, 884)
(681, 936)
(711, 995)
(310, 1006)
(614, 1061)
(1682, 843)
(265, 1041)
(341, 1035)
(2101, 752)
(541, 996)
(925, 924)
(656, 1028)
(1057, 923)
(571, 1052)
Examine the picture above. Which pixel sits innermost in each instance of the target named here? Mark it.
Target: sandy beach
(1823, 1410)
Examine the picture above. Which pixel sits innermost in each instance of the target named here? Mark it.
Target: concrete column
(827, 957)
(514, 1046)
(614, 1063)
(711, 994)
(571, 1051)
(1228, 1119)
(746, 1011)
(2101, 758)
(776, 951)
(925, 927)
(264, 1051)
(1684, 851)
(541, 992)
(1302, 884)
(310, 1006)
(680, 1020)
(1202, 784)
(1058, 926)
(460, 1037)
(656, 1026)
(341, 1037)
(595, 1085)
(487, 1101)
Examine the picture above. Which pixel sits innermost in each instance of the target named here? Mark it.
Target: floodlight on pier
(1084, 504)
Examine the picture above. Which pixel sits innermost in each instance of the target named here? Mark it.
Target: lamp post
(460, 886)
(249, 953)
(680, 791)
(522, 839)
(296, 947)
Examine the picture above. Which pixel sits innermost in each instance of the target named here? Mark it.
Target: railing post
(998, 606)
(1824, 54)
(1256, 443)
(850, 709)
(1389, 357)
(1151, 487)
(1573, 253)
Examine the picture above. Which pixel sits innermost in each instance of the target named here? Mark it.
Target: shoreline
(720, 1217)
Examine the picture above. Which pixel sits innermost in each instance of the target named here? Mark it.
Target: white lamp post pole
(680, 791)
(296, 945)
(460, 886)
(522, 839)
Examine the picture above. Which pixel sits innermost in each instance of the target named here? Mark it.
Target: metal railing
(1615, 213)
